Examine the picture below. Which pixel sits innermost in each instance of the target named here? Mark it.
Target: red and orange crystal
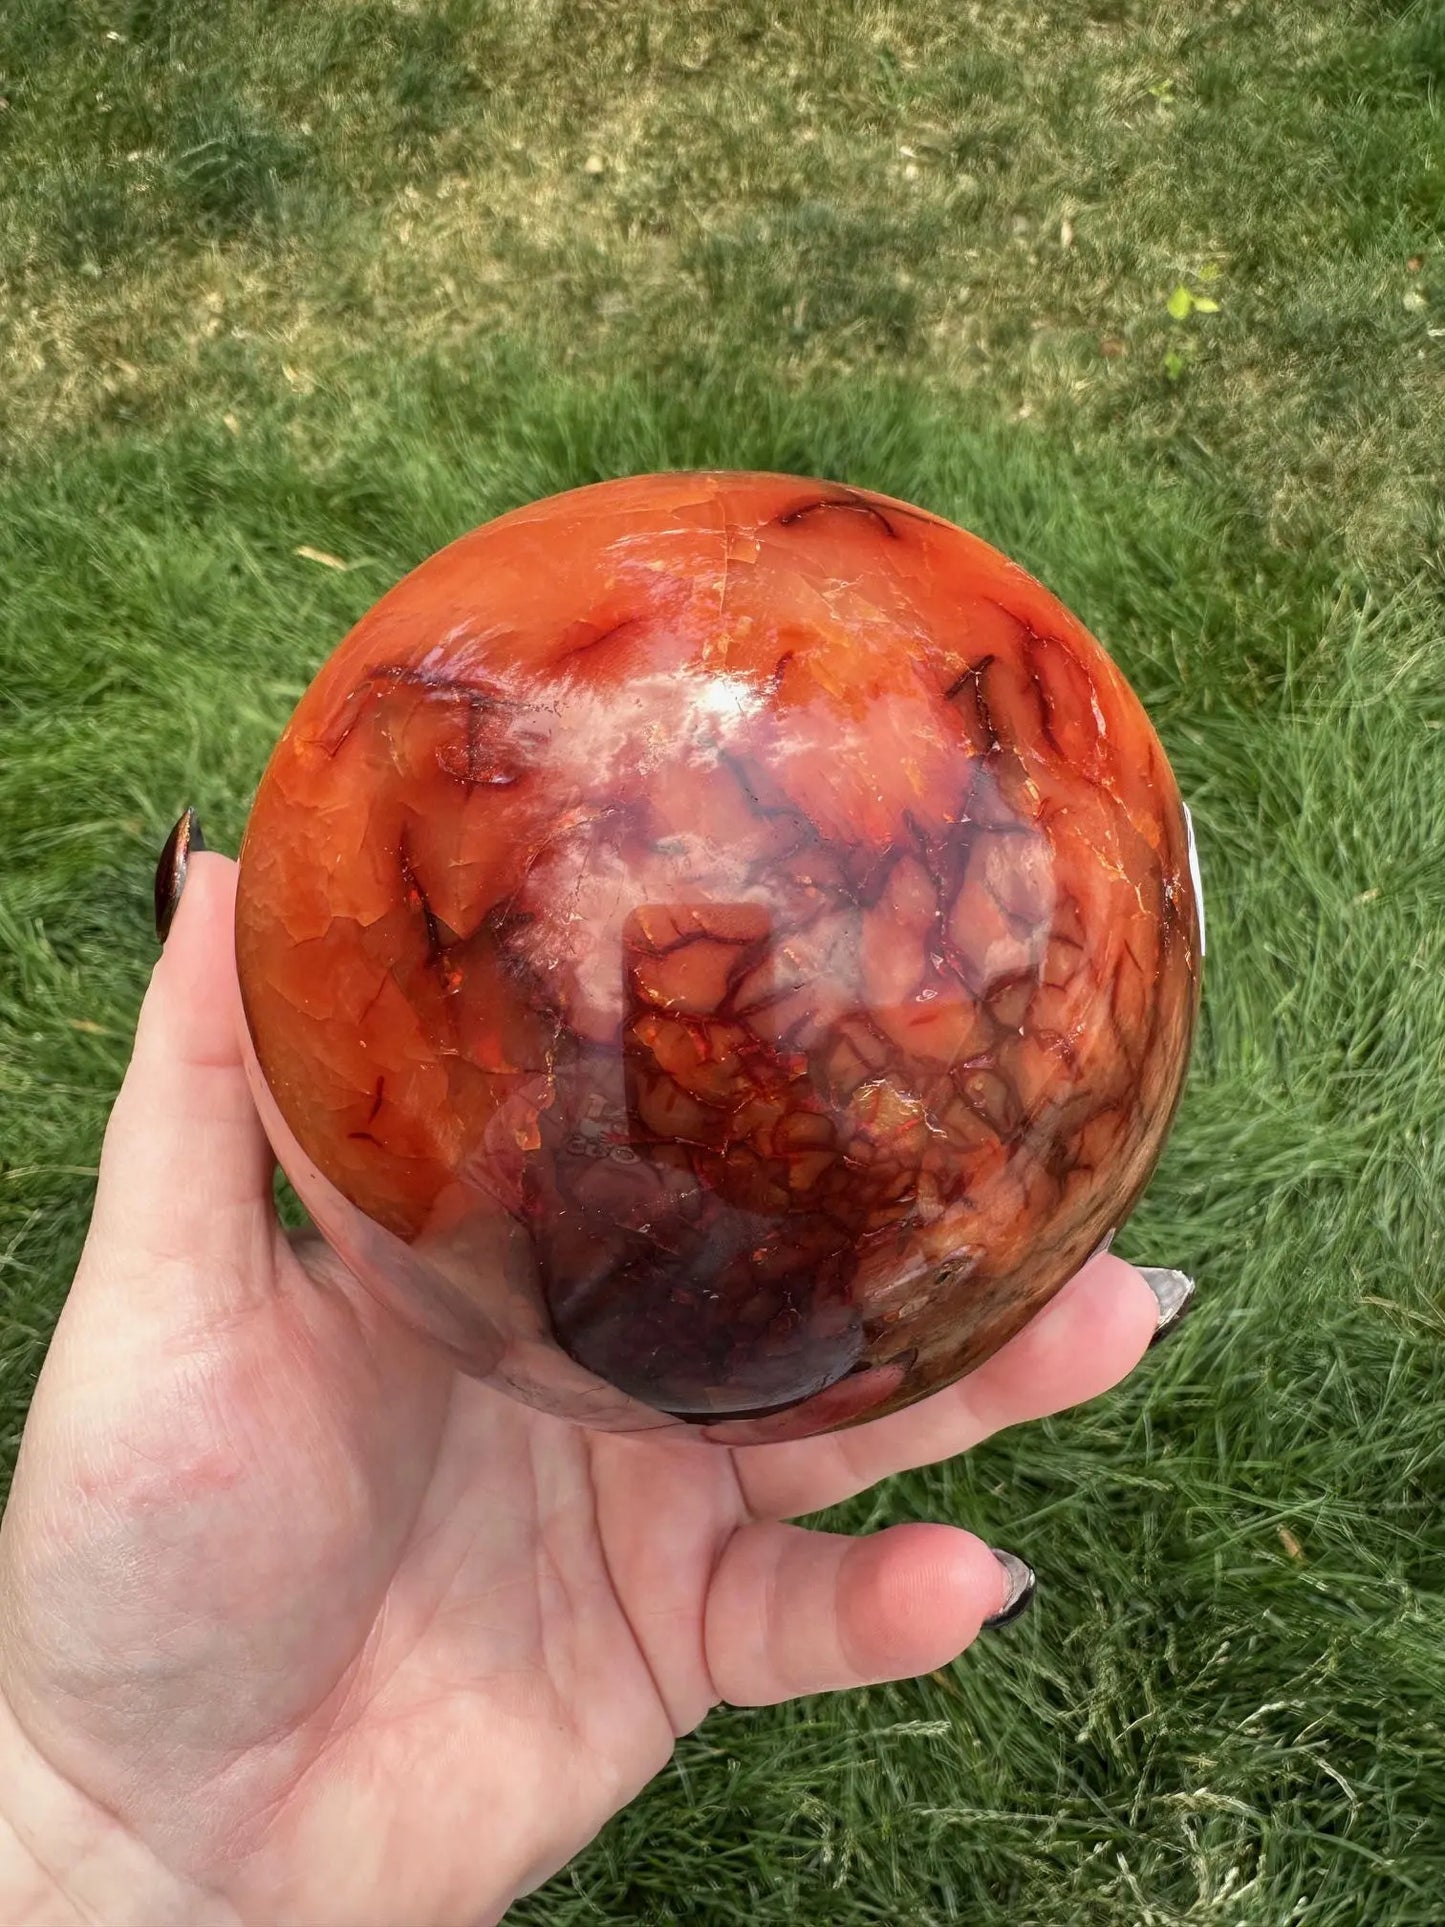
(718, 949)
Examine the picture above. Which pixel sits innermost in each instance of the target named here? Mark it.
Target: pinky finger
(792, 1612)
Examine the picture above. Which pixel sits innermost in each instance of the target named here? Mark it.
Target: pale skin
(299, 1626)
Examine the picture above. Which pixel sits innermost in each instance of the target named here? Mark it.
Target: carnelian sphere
(718, 950)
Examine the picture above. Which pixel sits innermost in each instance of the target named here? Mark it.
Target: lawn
(1152, 297)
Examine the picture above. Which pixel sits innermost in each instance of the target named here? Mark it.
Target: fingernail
(1020, 1597)
(1174, 1294)
(171, 870)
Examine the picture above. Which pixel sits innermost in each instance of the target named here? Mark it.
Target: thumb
(184, 1198)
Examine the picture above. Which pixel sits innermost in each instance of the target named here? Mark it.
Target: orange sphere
(718, 949)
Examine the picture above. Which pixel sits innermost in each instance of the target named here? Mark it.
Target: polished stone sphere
(719, 950)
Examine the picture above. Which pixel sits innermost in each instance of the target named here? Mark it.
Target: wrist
(64, 1862)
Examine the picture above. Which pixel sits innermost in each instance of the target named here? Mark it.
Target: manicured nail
(1020, 1596)
(171, 870)
(1174, 1294)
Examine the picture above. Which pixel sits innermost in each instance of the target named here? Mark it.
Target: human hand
(298, 1625)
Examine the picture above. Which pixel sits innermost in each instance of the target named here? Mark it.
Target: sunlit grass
(201, 198)
(371, 295)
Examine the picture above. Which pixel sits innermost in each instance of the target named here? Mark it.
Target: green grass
(337, 275)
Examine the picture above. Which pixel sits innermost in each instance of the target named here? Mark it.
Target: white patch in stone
(723, 700)
(1195, 876)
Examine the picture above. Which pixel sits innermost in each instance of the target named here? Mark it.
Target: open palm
(340, 1636)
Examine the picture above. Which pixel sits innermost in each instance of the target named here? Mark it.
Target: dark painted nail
(1174, 1294)
(171, 870)
(1021, 1583)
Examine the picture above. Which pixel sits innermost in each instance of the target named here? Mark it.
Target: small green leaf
(1211, 271)
(1180, 302)
(1204, 305)
(1174, 364)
